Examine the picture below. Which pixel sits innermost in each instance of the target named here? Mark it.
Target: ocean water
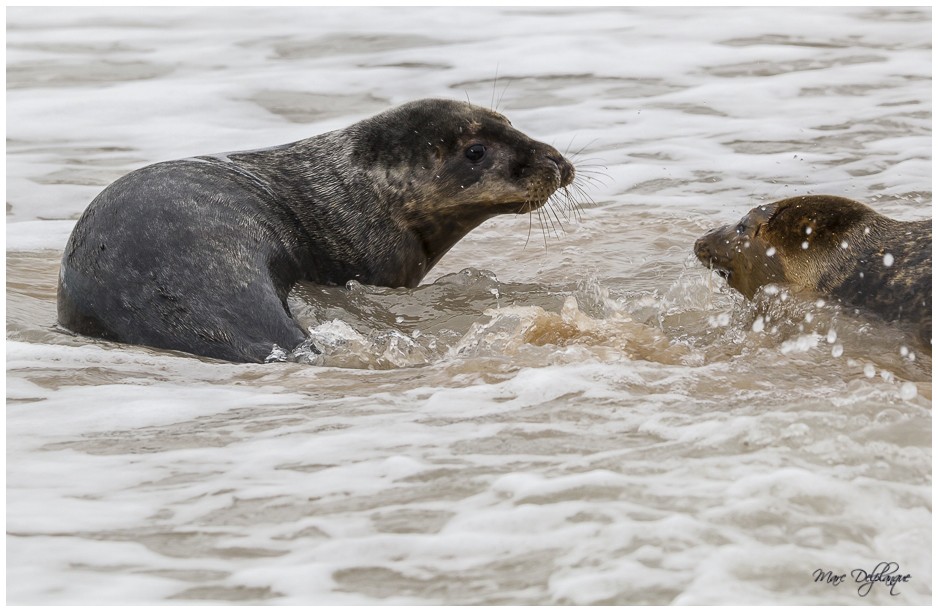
(569, 410)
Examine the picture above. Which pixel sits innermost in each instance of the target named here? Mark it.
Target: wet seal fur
(832, 246)
(198, 255)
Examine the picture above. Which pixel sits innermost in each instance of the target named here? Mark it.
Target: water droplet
(908, 391)
(866, 230)
(837, 351)
(844, 244)
(758, 325)
(904, 351)
(721, 320)
(807, 231)
(831, 336)
(888, 259)
(770, 251)
(804, 245)
(869, 371)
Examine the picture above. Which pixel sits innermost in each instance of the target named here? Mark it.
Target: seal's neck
(438, 234)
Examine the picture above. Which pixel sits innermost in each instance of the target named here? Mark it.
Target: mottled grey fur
(833, 246)
(198, 255)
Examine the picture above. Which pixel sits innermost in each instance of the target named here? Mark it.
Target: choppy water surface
(572, 415)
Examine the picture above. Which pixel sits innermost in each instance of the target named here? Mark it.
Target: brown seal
(832, 246)
(198, 255)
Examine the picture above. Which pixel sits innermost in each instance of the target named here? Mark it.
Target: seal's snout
(703, 247)
(710, 255)
(567, 171)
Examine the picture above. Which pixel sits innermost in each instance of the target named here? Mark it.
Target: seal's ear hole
(475, 152)
(806, 227)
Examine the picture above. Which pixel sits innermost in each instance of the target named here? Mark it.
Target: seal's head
(459, 160)
(439, 168)
(794, 242)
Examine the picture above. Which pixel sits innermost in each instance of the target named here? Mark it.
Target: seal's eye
(475, 152)
(741, 228)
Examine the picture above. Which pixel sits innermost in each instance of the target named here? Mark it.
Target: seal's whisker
(575, 206)
(595, 161)
(585, 184)
(580, 150)
(556, 201)
(586, 201)
(577, 209)
(494, 88)
(562, 200)
(572, 206)
(582, 183)
(594, 175)
(566, 151)
(530, 225)
(581, 192)
(592, 169)
(540, 219)
(502, 95)
(586, 179)
(589, 181)
(568, 208)
(591, 165)
(553, 216)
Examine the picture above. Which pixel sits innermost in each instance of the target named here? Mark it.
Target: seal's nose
(567, 171)
(702, 249)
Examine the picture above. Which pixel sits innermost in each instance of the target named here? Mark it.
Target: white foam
(38, 235)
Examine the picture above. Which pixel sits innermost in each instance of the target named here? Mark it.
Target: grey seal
(198, 255)
(832, 246)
